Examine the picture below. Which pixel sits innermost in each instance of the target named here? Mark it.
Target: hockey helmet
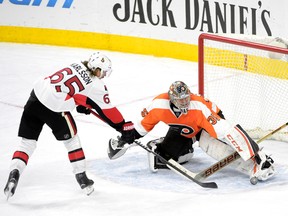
(179, 95)
(101, 61)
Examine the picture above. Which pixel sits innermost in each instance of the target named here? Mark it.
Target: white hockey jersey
(72, 86)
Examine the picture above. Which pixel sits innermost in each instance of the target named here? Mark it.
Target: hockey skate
(12, 182)
(263, 168)
(85, 183)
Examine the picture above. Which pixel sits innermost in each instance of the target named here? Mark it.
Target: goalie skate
(263, 168)
(12, 183)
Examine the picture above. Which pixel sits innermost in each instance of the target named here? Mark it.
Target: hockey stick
(176, 167)
(97, 115)
(116, 148)
(230, 158)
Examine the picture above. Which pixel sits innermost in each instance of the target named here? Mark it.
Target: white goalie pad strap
(239, 142)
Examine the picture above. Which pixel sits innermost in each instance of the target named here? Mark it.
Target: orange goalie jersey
(202, 114)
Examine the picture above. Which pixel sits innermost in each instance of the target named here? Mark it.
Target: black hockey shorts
(35, 115)
(174, 145)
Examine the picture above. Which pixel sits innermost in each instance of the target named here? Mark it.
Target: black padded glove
(83, 109)
(128, 132)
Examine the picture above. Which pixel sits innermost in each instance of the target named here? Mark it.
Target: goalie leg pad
(153, 161)
(219, 150)
(213, 147)
(241, 142)
(261, 167)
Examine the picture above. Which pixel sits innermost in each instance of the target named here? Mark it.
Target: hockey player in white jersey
(52, 99)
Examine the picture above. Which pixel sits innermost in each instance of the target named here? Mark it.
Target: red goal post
(247, 77)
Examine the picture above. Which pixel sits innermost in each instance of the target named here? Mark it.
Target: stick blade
(115, 149)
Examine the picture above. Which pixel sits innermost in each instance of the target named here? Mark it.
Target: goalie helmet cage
(247, 79)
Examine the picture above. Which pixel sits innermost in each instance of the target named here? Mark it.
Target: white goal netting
(248, 79)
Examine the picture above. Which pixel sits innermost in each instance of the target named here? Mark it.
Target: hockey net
(248, 79)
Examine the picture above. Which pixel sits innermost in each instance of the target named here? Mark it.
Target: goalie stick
(116, 149)
(230, 158)
(179, 169)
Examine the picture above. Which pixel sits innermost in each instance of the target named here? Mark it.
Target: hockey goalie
(193, 118)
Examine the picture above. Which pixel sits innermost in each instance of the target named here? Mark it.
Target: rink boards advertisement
(139, 26)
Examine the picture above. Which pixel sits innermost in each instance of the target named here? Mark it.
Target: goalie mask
(101, 61)
(179, 95)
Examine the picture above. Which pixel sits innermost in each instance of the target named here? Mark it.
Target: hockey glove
(128, 132)
(83, 109)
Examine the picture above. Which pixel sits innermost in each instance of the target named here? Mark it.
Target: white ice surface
(124, 186)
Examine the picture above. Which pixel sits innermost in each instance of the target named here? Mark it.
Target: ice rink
(124, 186)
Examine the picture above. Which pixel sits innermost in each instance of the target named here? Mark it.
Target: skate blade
(89, 190)
(8, 192)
